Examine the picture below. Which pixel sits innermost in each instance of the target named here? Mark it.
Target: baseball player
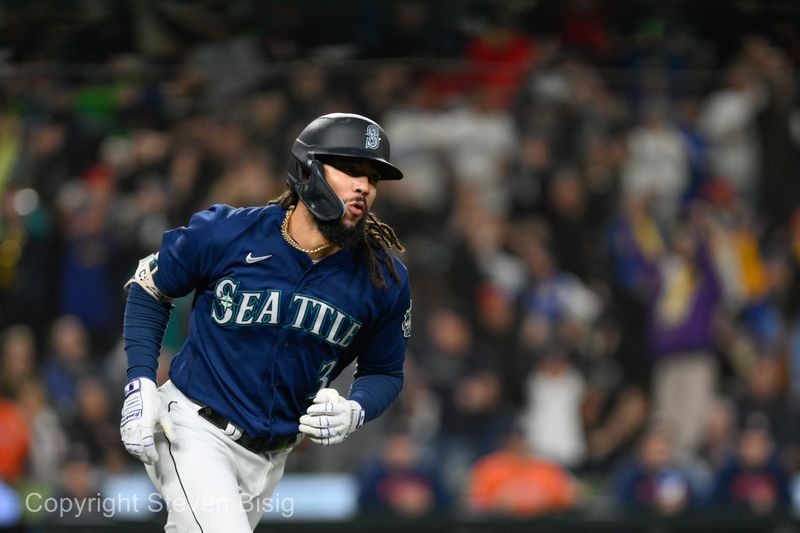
(286, 296)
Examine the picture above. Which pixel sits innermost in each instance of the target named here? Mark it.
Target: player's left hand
(331, 418)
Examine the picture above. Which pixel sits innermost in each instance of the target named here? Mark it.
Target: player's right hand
(141, 411)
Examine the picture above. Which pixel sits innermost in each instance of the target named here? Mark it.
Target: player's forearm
(375, 392)
(145, 322)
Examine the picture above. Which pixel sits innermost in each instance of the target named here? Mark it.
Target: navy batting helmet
(340, 135)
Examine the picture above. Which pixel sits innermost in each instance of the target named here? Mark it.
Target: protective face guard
(315, 192)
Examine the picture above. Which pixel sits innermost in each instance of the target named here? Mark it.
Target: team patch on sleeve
(407, 321)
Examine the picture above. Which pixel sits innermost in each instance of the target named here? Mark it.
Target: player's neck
(305, 232)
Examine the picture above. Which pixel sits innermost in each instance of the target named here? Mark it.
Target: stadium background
(602, 229)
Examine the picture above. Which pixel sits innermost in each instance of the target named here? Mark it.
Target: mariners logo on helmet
(373, 137)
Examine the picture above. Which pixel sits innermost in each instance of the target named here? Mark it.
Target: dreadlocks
(378, 237)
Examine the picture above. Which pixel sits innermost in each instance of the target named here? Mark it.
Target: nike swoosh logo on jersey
(251, 259)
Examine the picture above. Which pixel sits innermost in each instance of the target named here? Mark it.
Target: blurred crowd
(601, 213)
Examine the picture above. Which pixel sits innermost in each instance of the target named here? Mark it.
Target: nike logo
(251, 259)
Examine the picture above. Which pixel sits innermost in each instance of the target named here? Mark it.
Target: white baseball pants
(210, 483)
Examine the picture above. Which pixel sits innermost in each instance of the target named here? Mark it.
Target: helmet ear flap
(315, 192)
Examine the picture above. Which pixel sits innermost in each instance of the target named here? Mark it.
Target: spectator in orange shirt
(512, 481)
(14, 441)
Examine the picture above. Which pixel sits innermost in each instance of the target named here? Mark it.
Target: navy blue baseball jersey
(269, 326)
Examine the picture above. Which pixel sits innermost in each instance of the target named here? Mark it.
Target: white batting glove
(141, 411)
(331, 418)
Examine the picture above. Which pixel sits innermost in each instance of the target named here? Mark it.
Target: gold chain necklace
(293, 243)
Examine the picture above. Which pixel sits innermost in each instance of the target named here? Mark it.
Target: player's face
(354, 182)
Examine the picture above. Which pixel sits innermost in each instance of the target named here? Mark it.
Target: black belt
(254, 444)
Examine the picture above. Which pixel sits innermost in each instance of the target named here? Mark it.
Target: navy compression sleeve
(375, 392)
(143, 329)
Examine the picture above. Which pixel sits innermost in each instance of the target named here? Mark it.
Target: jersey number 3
(323, 377)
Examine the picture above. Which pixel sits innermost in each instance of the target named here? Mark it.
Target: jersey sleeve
(379, 368)
(383, 351)
(188, 254)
